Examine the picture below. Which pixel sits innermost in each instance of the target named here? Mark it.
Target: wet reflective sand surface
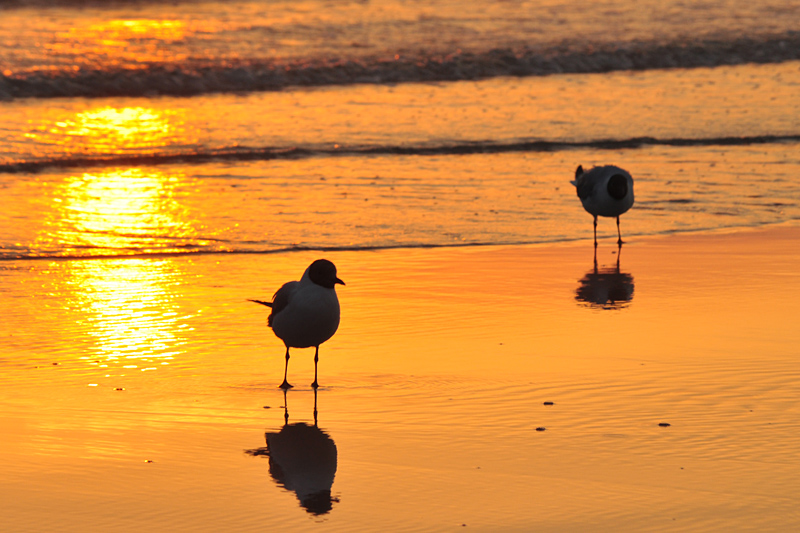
(513, 387)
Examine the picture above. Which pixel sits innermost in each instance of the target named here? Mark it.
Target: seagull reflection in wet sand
(303, 459)
(607, 287)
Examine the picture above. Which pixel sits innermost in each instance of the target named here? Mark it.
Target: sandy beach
(136, 392)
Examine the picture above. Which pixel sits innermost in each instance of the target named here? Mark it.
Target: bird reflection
(607, 287)
(303, 459)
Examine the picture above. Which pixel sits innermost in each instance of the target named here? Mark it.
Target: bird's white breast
(310, 318)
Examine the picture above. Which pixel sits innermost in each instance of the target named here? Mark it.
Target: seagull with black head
(306, 313)
(605, 191)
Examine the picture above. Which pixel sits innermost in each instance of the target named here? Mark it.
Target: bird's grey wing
(281, 298)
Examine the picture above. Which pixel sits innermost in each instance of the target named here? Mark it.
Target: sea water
(140, 127)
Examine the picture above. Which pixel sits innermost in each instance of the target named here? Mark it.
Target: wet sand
(135, 393)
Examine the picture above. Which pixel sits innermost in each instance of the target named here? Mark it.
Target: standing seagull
(305, 313)
(604, 191)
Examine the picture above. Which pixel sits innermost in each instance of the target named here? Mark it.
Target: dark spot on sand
(548, 403)
(120, 388)
(664, 424)
(540, 428)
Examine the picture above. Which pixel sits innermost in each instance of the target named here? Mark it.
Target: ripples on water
(384, 201)
(412, 165)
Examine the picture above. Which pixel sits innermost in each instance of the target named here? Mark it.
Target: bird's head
(323, 273)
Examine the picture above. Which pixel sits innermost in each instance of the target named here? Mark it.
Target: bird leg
(595, 231)
(316, 360)
(285, 385)
(619, 241)
(315, 407)
(285, 409)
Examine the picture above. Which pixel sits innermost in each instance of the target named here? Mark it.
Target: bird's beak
(338, 281)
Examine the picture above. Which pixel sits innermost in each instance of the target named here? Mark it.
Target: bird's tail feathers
(578, 176)
(268, 304)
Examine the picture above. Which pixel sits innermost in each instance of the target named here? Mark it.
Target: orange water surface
(136, 392)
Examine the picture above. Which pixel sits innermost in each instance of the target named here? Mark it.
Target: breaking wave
(248, 76)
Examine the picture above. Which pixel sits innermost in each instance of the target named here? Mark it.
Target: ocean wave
(270, 153)
(249, 76)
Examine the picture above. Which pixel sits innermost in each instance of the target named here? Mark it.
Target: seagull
(605, 191)
(305, 313)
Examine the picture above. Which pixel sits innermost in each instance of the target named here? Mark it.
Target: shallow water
(388, 201)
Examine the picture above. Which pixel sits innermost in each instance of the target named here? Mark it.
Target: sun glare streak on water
(121, 43)
(79, 130)
(116, 210)
(121, 128)
(124, 308)
(127, 307)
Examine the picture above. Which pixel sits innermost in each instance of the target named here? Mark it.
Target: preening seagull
(605, 191)
(305, 313)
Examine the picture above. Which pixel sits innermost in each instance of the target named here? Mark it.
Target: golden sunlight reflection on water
(107, 130)
(116, 209)
(113, 209)
(126, 126)
(127, 308)
(121, 42)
